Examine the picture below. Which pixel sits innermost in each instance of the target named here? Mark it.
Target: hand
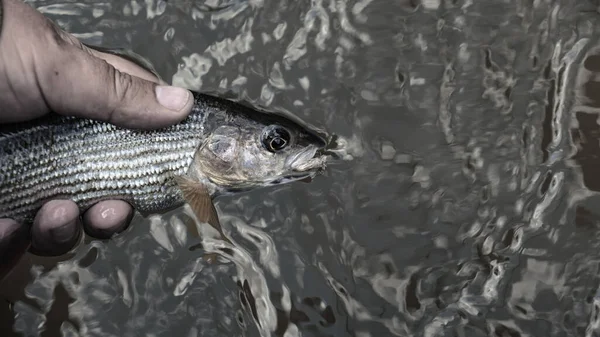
(42, 69)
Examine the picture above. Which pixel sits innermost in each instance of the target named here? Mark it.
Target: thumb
(83, 85)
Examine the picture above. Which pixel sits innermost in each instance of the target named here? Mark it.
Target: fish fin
(197, 196)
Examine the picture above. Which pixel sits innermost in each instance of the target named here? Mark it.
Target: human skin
(43, 69)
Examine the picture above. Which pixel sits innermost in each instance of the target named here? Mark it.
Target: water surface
(466, 202)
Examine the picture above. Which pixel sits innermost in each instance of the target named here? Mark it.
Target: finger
(14, 241)
(83, 85)
(127, 66)
(107, 218)
(56, 228)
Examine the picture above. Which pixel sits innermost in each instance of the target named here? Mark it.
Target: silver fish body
(87, 161)
(223, 145)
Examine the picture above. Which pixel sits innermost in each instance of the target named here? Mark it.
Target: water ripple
(465, 201)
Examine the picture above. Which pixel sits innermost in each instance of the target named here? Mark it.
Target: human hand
(42, 69)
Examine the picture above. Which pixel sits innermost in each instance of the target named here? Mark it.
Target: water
(466, 203)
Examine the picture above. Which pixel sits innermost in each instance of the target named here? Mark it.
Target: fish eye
(275, 138)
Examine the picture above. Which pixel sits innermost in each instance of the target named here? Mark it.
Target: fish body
(221, 147)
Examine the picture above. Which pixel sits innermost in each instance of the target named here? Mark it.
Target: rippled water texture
(466, 203)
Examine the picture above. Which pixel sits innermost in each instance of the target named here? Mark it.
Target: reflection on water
(465, 203)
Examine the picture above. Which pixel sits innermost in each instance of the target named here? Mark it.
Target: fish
(222, 147)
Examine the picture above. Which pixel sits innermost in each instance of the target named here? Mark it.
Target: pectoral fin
(198, 197)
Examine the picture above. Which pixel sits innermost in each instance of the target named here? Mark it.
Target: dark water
(467, 203)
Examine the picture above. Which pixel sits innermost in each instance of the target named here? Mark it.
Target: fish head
(247, 152)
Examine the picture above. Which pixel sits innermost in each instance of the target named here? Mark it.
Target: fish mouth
(303, 166)
(307, 160)
(296, 176)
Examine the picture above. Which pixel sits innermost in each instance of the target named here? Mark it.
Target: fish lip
(287, 179)
(309, 159)
(307, 163)
(294, 176)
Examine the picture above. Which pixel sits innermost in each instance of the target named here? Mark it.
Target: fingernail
(172, 98)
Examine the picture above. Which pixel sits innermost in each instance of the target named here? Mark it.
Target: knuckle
(57, 36)
(123, 85)
(59, 39)
(63, 52)
(123, 90)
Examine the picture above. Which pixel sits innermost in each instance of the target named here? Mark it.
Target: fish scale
(87, 161)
